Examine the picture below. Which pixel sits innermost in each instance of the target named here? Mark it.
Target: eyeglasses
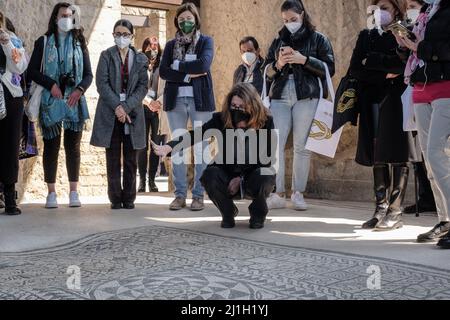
(125, 35)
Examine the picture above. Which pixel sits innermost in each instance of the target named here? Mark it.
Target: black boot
(382, 181)
(10, 201)
(141, 188)
(2, 201)
(393, 219)
(152, 186)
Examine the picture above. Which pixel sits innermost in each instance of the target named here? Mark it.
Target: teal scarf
(55, 113)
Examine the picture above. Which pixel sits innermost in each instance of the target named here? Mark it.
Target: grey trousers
(433, 122)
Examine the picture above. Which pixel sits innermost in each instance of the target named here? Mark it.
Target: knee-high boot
(382, 182)
(393, 218)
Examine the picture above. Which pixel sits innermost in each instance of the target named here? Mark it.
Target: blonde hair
(252, 103)
(2, 20)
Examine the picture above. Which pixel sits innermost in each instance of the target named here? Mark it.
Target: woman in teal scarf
(65, 75)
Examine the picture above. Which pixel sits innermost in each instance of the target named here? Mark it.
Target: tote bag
(264, 96)
(34, 103)
(321, 140)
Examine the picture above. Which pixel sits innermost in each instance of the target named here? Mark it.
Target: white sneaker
(74, 200)
(298, 202)
(276, 202)
(52, 202)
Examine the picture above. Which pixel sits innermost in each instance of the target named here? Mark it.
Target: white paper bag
(264, 96)
(320, 139)
(409, 122)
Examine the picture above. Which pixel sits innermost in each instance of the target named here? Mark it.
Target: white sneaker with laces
(298, 202)
(74, 200)
(52, 202)
(276, 202)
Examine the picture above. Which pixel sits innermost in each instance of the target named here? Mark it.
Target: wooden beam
(153, 4)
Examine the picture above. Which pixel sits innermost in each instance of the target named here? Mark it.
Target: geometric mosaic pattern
(159, 263)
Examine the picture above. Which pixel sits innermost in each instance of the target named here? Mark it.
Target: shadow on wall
(31, 21)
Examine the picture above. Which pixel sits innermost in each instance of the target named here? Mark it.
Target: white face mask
(249, 58)
(413, 14)
(293, 27)
(122, 42)
(65, 24)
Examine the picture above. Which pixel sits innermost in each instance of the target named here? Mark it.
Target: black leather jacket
(435, 49)
(317, 48)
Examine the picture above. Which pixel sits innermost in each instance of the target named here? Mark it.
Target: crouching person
(242, 167)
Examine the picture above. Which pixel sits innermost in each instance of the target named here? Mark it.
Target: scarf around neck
(419, 30)
(55, 113)
(185, 45)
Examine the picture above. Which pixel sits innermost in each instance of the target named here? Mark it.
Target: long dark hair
(53, 27)
(298, 7)
(145, 45)
(124, 23)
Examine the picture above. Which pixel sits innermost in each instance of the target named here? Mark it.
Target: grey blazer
(108, 80)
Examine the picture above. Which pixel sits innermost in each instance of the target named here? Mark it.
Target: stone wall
(31, 20)
(227, 21)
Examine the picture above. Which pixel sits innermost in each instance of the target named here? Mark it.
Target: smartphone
(402, 31)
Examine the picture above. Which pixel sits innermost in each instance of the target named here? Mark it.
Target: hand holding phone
(286, 51)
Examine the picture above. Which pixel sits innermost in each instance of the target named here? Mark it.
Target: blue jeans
(291, 114)
(178, 119)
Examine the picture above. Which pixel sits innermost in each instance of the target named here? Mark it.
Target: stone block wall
(227, 21)
(31, 19)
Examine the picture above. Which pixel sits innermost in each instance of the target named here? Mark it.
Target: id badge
(123, 97)
(190, 57)
(151, 94)
(126, 129)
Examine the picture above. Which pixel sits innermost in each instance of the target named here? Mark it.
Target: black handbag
(28, 143)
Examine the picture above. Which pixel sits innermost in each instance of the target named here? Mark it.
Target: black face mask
(239, 116)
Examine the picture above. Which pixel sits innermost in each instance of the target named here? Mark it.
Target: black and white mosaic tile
(164, 264)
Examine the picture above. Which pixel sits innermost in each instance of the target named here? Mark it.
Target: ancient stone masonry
(98, 17)
(227, 21)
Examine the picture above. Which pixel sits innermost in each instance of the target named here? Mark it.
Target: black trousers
(426, 197)
(144, 158)
(72, 145)
(10, 133)
(121, 149)
(257, 187)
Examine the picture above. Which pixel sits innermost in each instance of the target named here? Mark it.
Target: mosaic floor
(164, 263)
